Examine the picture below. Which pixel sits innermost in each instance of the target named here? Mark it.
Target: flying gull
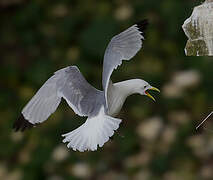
(100, 107)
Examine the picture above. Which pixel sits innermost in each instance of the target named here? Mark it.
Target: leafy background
(155, 140)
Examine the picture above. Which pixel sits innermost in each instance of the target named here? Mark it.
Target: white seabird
(100, 107)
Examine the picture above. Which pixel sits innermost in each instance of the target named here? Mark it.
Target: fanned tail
(93, 133)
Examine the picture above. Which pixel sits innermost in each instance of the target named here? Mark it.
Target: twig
(204, 120)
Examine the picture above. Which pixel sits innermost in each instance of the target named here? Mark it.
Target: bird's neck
(119, 92)
(128, 87)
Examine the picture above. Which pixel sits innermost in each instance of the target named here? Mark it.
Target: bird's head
(144, 87)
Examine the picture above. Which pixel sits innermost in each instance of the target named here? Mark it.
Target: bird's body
(100, 107)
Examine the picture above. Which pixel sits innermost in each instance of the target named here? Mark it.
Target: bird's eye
(145, 86)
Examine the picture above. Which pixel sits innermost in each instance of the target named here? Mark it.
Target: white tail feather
(93, 133)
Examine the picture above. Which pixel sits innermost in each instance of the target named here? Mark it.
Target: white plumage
(94, 132)
(100, 107)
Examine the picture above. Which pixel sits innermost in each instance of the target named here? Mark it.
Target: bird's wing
(68, 83)
(121, 47)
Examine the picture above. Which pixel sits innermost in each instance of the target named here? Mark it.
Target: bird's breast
(116, 105)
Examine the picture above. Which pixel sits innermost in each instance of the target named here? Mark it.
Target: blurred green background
(155, 140)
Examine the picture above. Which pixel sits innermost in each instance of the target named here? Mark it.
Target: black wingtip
(22, 124)
(142, 25)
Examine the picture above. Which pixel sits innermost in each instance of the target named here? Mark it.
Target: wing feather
(67, 83)
(123, 46)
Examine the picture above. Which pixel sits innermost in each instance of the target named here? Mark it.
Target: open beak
(154, 89)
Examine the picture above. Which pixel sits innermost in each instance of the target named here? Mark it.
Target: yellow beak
(154, 89)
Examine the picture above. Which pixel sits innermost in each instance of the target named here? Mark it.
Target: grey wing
(121, 47)
(79, 94)
(68, 83)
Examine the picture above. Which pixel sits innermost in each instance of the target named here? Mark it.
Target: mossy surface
(196, 48)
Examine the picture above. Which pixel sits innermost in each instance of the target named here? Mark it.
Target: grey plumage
(67, 83)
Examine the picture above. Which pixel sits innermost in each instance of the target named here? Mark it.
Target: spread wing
(121, 47)
(68, 83)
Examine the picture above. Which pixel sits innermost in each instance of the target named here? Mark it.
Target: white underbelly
(116, 99)
(115, 106)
